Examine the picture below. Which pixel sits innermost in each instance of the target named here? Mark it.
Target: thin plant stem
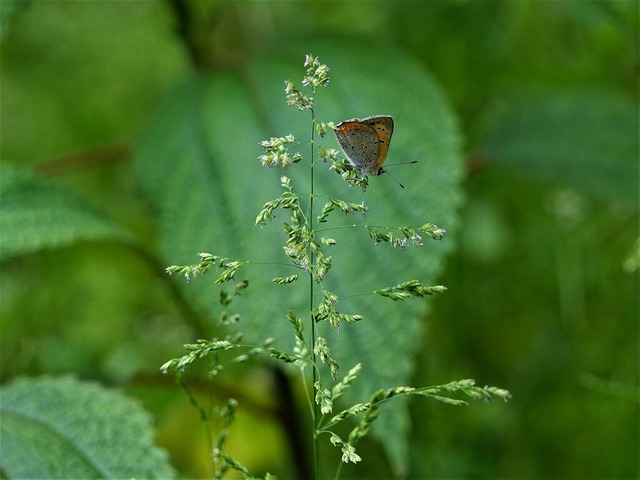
(314, 408)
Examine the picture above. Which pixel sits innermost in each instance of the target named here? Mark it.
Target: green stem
(338, 227)
(314, 409)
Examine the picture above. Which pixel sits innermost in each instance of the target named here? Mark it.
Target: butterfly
(365, 142)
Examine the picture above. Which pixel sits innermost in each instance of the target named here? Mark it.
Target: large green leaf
(37, 214)
(587, 140)
(197, 163)
(63, 428)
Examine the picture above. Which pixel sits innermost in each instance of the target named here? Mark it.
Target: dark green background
(542, 284)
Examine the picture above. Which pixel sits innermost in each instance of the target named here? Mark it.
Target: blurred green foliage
(538, 301)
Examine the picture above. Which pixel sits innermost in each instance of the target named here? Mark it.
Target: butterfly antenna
(401, 163)
(393, 164)
(387, 172)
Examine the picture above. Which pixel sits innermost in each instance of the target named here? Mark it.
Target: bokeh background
(128, 142)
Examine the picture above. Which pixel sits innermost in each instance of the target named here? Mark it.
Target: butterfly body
(365, 142)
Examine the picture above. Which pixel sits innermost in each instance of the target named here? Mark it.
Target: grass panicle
(306, 250)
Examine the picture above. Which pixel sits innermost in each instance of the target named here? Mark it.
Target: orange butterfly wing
(383, 126)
